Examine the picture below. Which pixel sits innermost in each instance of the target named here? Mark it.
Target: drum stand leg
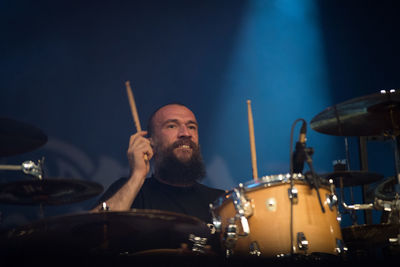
(341, 165)
(397, 162)
(353, 213)
(394, 215)
(362, 141)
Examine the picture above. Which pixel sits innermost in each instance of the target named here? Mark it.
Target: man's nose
(184, 131)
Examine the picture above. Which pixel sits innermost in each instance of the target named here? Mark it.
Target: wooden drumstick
(133, 106)
(252, 141)
(133, 109)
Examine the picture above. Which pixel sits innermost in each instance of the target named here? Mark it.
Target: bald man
(172, 141)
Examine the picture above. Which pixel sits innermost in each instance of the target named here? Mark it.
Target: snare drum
(258, 218)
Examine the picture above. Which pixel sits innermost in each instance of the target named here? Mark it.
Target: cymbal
(19, 137)
(369, 235)
(120, 232)
(352, 178)
(48, 191)
(371, 115)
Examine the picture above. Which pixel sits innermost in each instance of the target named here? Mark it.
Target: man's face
(175, 127)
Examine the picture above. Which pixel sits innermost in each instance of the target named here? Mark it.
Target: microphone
(299, 153)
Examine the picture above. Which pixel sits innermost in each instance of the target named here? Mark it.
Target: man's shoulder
(209, 189)
(151, 184)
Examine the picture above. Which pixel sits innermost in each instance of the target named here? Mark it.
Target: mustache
(187, 142)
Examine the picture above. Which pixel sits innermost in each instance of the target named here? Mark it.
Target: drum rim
(264, 182)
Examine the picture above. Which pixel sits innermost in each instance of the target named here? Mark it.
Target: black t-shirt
(193, 200)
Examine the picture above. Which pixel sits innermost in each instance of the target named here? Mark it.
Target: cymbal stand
(394, 214)
(338, 165)
(30, 168)
(351, 209)
(353, 213)
(394, 111)
(397, 162)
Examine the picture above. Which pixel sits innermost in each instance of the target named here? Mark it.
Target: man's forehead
(174, 112)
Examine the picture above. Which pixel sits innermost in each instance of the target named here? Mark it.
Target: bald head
(155, 116)
(174, 138)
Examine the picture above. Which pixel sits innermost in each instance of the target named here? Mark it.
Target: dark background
(64, 65)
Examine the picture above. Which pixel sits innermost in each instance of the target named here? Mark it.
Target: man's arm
(122, 200)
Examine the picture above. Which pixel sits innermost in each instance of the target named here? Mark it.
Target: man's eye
(192, 127)
(171, 126)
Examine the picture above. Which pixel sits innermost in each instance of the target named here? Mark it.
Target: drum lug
(243, 208)
(199, 243)
(302, 242)
(104, 207)
(395, 241)
(215, 219)
(292, 192)
(242, 204)
(254, 249)
(245, 226)
(332, 200)
(332, 186)
(387, 207)
(228, 253)
(340, 247)
(230, 236)
(338, 216)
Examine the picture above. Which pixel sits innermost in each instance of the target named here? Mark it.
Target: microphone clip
(302, 154)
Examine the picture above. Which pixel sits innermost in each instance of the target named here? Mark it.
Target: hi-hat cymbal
(48, 191)
(19, 137)
(352, 178)
(106, 232)
(371, 115)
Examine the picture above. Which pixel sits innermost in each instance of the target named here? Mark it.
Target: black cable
(291, 182)
(314, 177)
(291, 143)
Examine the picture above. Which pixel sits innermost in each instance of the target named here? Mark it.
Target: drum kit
(283, 216)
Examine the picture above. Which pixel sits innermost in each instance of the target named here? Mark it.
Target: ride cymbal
(105, 232)
(48, 191)
(19, 137)
(371, 115)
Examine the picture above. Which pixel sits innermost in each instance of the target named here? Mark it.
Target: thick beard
(170, 169)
